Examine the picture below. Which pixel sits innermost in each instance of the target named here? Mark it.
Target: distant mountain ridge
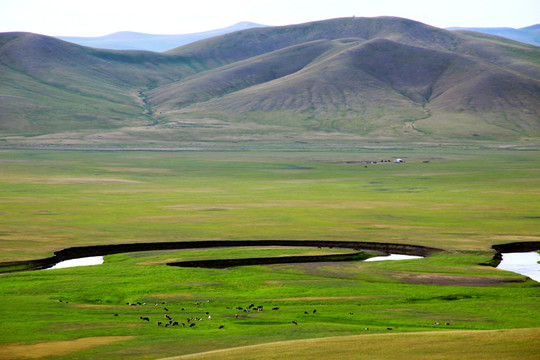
(128, 40)
(384, 77)
(527, 35)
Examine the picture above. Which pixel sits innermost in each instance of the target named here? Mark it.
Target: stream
(524, 263)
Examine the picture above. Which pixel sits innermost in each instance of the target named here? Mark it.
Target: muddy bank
(102, 250)
(226, 263)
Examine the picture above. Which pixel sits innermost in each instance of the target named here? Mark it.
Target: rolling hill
(367, 77)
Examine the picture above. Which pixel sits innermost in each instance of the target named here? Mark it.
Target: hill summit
(367, 77)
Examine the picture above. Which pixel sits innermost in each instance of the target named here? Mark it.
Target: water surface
(525, 263)
(92, 260)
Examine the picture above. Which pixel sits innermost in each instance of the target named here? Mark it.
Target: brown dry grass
(507, 344)
(55, 348)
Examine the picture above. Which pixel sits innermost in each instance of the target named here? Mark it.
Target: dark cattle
(447, 324)
(250, 306)
(388, 328)
(239, 308)
(294, 322)
(305, 312)
(314, 311)
(221, 326)
(259, 308)
(351, 313)
(175, 323)
(115, 314)
(159, 323)
(275, 308)
(144, 318)
(165, 309)
(168, 317)
(192, 325)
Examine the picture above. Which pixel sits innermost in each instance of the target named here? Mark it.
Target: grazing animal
(366, 329)
(115, 314)
(183, 325)
(144, 318)
(275, 308)
(192, 325)
(314, 311)
(168, 317)
(159, 323)
(294, 322)
(351, 313)
(165, 309)
(239, 308)
(447, 324)
(207, 313)
(221, 326)
(259, 308)
(436, 323)
(388, 328)
(175, 323)
(209, 317)
(236, 316)
(305, 312)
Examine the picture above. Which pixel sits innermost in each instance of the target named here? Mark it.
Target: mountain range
(527, 35)
(376, 78)
(129, 40)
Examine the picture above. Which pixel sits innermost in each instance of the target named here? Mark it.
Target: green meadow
(462, 199)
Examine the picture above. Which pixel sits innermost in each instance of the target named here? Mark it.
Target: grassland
(459, 198)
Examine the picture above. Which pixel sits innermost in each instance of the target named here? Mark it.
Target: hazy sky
(101, 17)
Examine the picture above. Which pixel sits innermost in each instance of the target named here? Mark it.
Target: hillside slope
(51, 85)
(382, 76)
(376, 77)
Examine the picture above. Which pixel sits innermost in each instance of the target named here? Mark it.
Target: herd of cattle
(192, 321)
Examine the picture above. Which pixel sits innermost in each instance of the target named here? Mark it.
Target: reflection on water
(525, 263)
(394, 257)
(93, 260)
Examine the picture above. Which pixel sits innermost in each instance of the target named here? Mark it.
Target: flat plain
(459, 198)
